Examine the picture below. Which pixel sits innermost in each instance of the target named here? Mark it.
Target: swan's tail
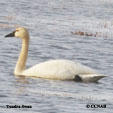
(91, 77)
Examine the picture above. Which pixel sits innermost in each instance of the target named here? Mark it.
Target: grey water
(50, 23)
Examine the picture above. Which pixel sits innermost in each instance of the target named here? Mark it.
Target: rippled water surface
(50, 23)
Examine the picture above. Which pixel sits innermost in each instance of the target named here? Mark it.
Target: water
(50, 23)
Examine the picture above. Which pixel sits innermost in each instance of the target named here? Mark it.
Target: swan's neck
(21, 63)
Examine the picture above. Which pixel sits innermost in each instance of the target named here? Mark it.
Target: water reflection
(22, 79)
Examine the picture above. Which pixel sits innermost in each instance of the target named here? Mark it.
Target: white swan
(53, 69)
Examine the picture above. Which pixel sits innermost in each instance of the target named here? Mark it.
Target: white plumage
(53, 69)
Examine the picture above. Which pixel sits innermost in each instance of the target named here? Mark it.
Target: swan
(53, 69)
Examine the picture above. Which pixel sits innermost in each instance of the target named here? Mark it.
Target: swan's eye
(17, 30)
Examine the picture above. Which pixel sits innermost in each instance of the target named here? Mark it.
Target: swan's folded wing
(91, 77)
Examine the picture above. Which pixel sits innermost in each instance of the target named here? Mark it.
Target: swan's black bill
(11, 34)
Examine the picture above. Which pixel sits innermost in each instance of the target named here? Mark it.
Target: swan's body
(53, 69)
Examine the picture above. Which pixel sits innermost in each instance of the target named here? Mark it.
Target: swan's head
(19, 33)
